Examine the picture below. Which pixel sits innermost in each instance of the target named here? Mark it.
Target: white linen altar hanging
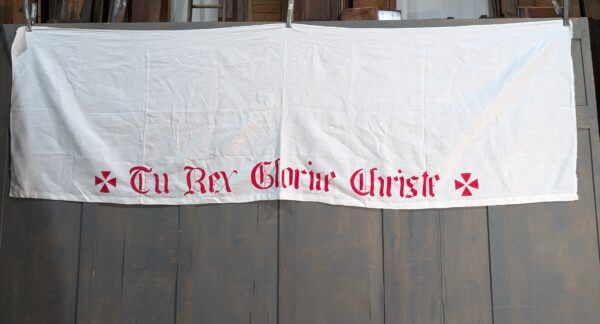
(373, 117)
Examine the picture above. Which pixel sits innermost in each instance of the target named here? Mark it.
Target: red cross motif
(105, 180)
(465, 184)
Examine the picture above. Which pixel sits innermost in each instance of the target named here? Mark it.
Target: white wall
(432, 9)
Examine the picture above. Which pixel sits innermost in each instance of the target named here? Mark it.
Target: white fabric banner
(382, 118)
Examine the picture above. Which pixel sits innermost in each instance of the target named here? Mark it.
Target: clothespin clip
(29, 17)
(290, 14)
(564, 12)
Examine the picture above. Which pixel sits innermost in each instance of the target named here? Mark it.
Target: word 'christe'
(370, 183)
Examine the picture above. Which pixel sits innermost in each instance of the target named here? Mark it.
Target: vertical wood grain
(234, 263)
(135, 265)
(465, 266)
(413, 270)
(436, 266)
(39, 261)
(544, 257)
(11, 12)
(150, 10)
(184, 310)
(331, 267)
(87, 263)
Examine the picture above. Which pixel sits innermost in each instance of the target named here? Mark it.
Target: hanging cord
(290, 14)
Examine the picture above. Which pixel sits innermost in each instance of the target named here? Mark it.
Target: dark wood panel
(413, 272)
(592, 8)
(150, 10)
(316, 10)
(6, 36)
(38, 261)
(436, 266)
(135, 265)
(577, 56)
(465, 266)
(266, 10)
(87, 263)
(330, 264)
(233, 250)
(11, 12)
(266, 17)
(595, 51)
(69, 10)
(184, 312)
(544, 257)
(4, 168)
(536, 8)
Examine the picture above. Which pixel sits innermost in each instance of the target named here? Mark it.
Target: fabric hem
(266, 197)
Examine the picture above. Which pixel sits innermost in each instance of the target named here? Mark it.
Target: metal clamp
(29, 16)
(562, 12)
(290, 14)
(566, 13)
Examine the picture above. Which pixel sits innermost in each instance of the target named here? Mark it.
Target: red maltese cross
(105, 181)
(465, 184)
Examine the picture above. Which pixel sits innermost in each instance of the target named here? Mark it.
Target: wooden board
(228, 264)
(544, 257)
(592, 8)
(330, 264)
(266, 10)
(379, 4)
(150, 10)
(316, 10)
(38, 261)
(595, 47)
(11, 12)
(360, 14)
(436, 266)
(70, 10)
(130, 265)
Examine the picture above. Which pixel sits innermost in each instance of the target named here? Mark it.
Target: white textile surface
(373, 117)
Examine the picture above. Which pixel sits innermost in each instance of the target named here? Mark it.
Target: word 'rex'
(197, 180)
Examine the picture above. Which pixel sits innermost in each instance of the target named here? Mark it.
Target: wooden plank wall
(535, 8)
(595, 45)
(11, 11)
(297, 262)
(265, 10)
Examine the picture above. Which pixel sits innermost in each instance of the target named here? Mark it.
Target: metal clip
(29, 17)
(290, 14)
(566, 13)
(556, 7)
(562, 12)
